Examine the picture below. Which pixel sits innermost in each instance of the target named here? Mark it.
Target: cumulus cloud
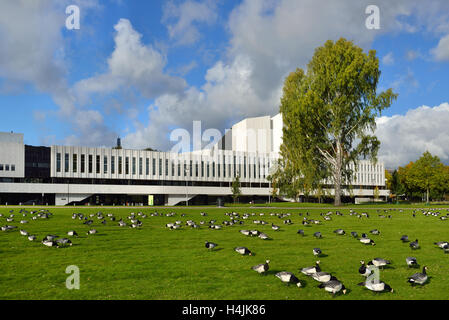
(268, 39)
(441, 52)
(131, 64)
(405, 138)
(182, 20)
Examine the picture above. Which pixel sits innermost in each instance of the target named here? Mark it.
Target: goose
(375, 231)
(379, 262)
(333, 286)
(93, 231)
(340, 232)
(49, 243)
(210, 245)
(316, 251)
(64, 242)
(23, 232)
(376, 286)
(23, 221)
(301, 232)
(243, 251)
(367, 241)
(404, 238)
(419, 278)
(255, 233)
(364, 235)
(363, 270)
(275, 227)
(309, 271)
(411, 261)
(354, 234)
(323, 276)
(72, 233)
(288, 277)
(414, 244)
(262, 268)
(32, 237)
(263, 236)
(318, 235)
(7, 228)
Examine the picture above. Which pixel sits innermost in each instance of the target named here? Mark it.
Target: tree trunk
(337, 175)
(427, 195)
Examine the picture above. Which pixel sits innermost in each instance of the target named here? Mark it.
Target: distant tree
(149, 149)
(235, 188)
(326, 110)
(425, 173)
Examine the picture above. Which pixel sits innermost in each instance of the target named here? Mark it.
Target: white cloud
(441, 52)
(405, 138)
(182, 21)
(388, 59)
(131, 64)
(268, 40)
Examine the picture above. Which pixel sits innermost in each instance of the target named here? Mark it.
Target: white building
(65, 174)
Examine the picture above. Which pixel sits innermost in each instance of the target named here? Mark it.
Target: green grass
(160, 264)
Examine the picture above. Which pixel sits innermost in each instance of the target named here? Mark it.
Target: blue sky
(139, 69)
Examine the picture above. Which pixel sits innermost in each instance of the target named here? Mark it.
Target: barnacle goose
(376, 286)
(414, 244)
(419, 278)
(243, 251)
(301, 232)
(309, 271)
(23, 232)
(263, 236)
(318, 235)
(323, 276)
(340, 232)
(288, 277)
(64, 242)
(333, 286)
(72, 233)
(404, 238)
(210, 245)
(411, 261)
(262, 268)
(363, 270)
(379, 262)
(367, 241)
(316, 251)
(92, 231)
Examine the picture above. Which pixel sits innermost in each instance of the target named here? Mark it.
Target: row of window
(7, 167)
(127, 165)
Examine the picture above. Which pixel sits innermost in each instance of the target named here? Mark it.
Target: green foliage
(235, 188)
(425, 175)
(327, 109)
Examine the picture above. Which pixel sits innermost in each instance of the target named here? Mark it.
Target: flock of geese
(52, 240)
(326, 280)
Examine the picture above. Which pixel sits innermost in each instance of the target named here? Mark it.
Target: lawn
(156, 263)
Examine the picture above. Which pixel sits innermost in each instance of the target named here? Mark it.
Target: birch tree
(329, 113)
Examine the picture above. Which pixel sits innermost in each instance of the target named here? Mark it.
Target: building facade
(64, 175)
